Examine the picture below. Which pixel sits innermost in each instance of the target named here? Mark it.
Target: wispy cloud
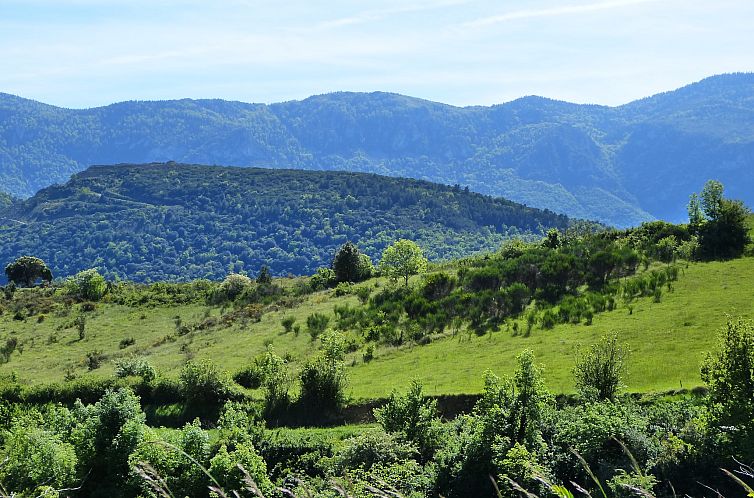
(554, 12)
(382, 14)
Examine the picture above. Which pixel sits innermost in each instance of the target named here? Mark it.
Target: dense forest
(178, 222)
(587, 161)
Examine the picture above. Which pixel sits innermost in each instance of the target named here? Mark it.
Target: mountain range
(180, 222)
(618, 165)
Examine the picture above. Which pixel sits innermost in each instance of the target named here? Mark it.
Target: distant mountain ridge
(619, 165)
(180, 222)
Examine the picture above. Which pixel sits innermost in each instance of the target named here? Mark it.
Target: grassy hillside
(173, 222)
(587, 161)
(667, 339)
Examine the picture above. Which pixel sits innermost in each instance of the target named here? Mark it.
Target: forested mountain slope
(588, 161)
(181, 222)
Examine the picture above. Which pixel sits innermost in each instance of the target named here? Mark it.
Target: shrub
(86, 285)
(231, 468)
(249, 377)
(287, 323)
(369, 449)
(108, 432)
(135, 366)
(175, 464)
(729, 373)
(599, 370)
(343, 289)
(316, 323)
(94, 359)
(264, 277)
(203, 383)
(275, 381)
(125, 342)
(232, 287)
(413, 418)
(323, 279)
(323, 379)
(363, 292)
(34, 457)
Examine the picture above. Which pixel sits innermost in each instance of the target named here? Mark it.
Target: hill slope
(681, 327)
(586, 161)
(180, 222)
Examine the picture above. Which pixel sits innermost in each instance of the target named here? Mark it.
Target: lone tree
(26, 270)
(403, 259)
(350, 265)
(346, 263)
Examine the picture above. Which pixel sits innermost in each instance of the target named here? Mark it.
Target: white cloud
(554, 12)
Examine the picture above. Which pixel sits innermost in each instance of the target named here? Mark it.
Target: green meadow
(667, 339)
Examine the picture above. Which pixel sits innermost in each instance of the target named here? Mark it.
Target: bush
(135, 366)
(287, 323)
(413, 418)
(34, 457)
(86, 285)
(323, 379)
(323, 279)
(108, 432)
(232, 287)
(729, 373)
(599, 370)
(316, 323)
(203, 383)
(249, 377)
(230, 470)
(369, 449)
(94, 359)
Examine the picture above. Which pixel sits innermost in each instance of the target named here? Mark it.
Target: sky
(88, 53)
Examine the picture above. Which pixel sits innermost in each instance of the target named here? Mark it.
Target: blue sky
(85, 53)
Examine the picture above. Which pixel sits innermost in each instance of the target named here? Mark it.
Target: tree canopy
(27, 270)
(402, 259)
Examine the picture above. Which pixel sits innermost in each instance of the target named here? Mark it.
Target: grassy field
(667, 340)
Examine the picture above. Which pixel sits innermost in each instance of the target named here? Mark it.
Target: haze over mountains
(619, 165)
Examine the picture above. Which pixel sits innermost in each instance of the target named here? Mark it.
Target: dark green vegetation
(177, 222)
(587, 161)
(227, 367)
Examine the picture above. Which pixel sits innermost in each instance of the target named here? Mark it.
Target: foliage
(316, 323)
(26, 270)
(275, 381)
(86, 285)
(369, 449)
(413, 418)
(723, 233)
(402, 259)
(171, 222)
(230, 469)
(323, 379)
(510, 411)
(350, 265)
(107, 433)
(232, 286)
(35, 456)
(203, 383)
(176, 459)
(264, 277)
(599, 371)
(729, 374)
(135, 366)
